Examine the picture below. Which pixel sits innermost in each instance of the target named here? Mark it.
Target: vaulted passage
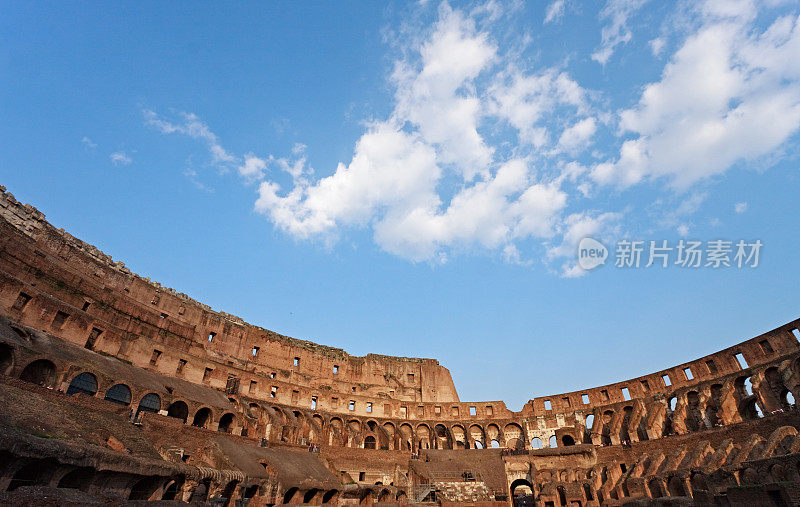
(226, 423)
(6, 358)
(178, 410)
(120, 394)
(144, 489)
(41, 372)
(80, 478)
(32, 474)
(202, 417)
(85, 383)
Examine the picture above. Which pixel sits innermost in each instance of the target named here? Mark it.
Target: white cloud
(253, 167)
(740, 207)
(390, 169)
(120, 158)
(602, 227)
(615, 32)
(436, 96)
(629, 169)
(88, 143)
(728, 94)
(487, 150)
(554, 11)
(578, 135)
(526, 100)
(193, 127)
(392, 184)
(657, 45)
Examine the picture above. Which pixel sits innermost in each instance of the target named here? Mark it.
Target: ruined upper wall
(757, 351)
(159, 328)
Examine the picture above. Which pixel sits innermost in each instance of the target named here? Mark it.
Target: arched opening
(536, 443)
(200, 493)
(172, 489)
(369, 442)
(40, 372)
(627, 412)
(423, 437)
(225, 423)
(202, 417)
(605, 434)
(655, 488)
(567, 440)
(694, 419)
(120, 394)
(329, 496)
(512, 433)
(676, 487)
(476, 433)
(145, 488)
(388, 432)
(776, 384)
(287, 497)
(85, 383)
(787, 399)
(747, 385)
(151, 402)
(750, 409)
(443, 440)
(713, 405)
(673, 402)
(587, 437)
(80, 478)
(251, 491)
(229, 490)
(521, 493)
(698, 482)
(587, 492)
(6, 358)
(405, 435)
(552, 441)
(29, 475)
(562, 495)
(178, 410)
(310, 494)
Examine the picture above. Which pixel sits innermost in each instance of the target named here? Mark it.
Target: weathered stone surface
(116, 389)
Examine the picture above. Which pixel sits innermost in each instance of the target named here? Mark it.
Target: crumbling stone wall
(69, 312)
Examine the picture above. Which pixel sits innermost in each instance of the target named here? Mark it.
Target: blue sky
(413, 178)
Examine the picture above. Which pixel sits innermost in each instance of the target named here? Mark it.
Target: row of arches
(43, 372)
(352, 433)
(314, 495)
(22, 472)
(696, 412)
(523, 493)
(704, 407)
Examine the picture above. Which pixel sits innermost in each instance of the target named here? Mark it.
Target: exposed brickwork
(125, 389)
